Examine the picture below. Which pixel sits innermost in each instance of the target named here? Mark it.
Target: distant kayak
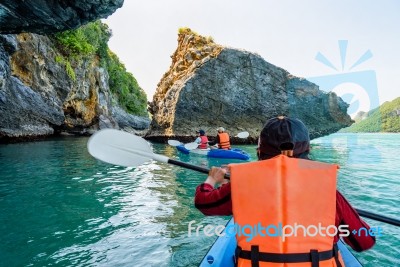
(221, 253)
(233, 153)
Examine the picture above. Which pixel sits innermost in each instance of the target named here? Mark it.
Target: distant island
(385, 118)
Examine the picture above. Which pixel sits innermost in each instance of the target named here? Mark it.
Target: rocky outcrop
(52, 16)
(361, 115)
(128, 121)
(208, 86)
(23, 109)
(39, 98)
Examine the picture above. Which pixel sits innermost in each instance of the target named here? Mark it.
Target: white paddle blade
(190, 146)
(243, 135)
(119, 148)
(174, 143)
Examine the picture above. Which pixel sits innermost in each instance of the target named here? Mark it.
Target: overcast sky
(286, 33)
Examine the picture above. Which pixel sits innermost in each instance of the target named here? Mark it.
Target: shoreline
(4, 140)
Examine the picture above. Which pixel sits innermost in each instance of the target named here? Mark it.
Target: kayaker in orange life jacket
(282, 140)
(222, 139)
(202, 139)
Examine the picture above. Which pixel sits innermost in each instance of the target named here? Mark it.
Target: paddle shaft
(192, 167)
(363, 213)
(378, 217)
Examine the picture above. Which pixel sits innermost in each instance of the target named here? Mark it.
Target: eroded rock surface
(39, 98)
(208, 86)
(45, 17)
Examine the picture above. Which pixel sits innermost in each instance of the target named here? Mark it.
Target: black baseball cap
(201, 132)
(283, 134)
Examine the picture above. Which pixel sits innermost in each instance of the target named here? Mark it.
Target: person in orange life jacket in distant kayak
(284, 186)
(202, 139)
(222, 139)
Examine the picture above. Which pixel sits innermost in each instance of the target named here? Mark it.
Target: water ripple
(62, 207)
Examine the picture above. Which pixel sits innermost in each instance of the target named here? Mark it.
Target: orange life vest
(204, 142)
(224, 142)
(285, 191)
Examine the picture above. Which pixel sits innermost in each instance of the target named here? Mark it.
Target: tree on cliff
(91, 41)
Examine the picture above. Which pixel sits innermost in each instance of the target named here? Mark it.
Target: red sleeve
(213, 201)
(346, 215)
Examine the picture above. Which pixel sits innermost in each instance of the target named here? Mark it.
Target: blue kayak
(222, 251)
(233, 153)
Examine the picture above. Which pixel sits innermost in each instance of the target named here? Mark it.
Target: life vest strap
(314, 256)
(255, 256)
(336, 253)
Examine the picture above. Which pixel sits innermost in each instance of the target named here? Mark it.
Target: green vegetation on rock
(385, 118)
(186, 30)
(90, 41)
(125, 87)
(68, 68)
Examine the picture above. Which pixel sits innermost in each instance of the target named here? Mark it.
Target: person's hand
(216, 176)
(227, 171)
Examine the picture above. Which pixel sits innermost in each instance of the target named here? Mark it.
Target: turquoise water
(61, 207)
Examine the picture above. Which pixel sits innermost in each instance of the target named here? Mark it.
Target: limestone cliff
(208, 86)
(52, 16)
(39, 97)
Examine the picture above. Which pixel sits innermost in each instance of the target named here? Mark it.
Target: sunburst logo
(343, 52)
(358, 89)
